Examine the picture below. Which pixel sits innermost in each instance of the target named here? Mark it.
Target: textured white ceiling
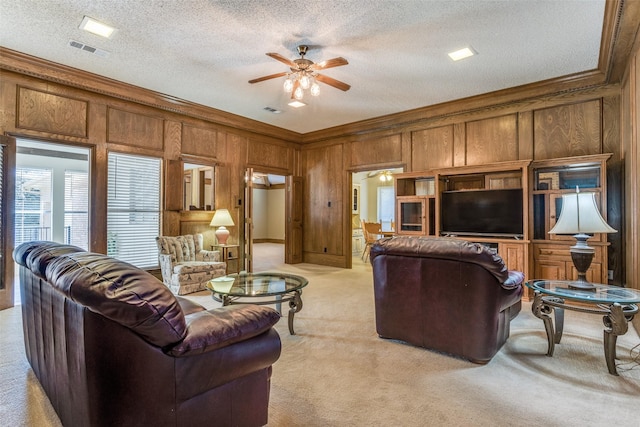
(205, 51)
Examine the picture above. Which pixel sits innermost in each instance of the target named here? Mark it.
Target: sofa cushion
(120, 292)
(190, 267)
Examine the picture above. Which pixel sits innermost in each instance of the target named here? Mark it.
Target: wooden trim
(28, 65)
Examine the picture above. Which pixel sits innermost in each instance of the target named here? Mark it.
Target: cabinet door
(551, 270)
(411, 216)
(513, 256)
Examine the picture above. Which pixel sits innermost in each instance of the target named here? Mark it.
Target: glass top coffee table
(261, 289)
(617, 305)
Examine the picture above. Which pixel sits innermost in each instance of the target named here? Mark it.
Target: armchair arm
(209, 256)
(166, 267)
(219, 327)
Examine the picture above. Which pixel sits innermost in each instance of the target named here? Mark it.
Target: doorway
(373, 200)
(51, 194)
(268, 214)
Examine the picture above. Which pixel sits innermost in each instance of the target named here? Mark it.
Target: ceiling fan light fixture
(315, 89)
(305, 82)
(386, 176)
(288, 85)
(298, 93)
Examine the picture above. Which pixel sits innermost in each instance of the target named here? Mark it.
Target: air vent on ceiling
(89, 49)
(272, 110)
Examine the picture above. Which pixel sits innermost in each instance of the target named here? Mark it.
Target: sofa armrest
(209, 256)
(220, 327)
(514, 280)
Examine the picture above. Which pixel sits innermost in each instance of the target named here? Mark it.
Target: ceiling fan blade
(282, 59)
(271, 76)
(333, 82)
(335, 62)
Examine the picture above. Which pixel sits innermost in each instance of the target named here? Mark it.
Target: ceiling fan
(304, 74)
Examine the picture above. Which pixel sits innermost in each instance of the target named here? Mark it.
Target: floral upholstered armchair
(186, 267)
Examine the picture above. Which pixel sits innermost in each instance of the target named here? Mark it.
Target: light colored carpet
(337, 372)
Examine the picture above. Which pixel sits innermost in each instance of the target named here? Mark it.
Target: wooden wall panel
(323, 215)
(567, 130)
(199, 141)
(269, 155)
(383, 150)
(47, 112)
(432, 148)
(134, 129)
(172, 139)
(492, 140)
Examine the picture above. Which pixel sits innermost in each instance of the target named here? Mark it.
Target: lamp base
(582, 255)
(222, 234)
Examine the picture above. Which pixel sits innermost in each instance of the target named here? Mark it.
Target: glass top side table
(617, 305)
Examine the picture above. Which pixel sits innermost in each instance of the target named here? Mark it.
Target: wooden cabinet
(421, 207)
(357, 243)
(415, 204)
(550, 180)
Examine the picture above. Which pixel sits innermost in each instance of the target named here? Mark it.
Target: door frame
(293, 217)
(7, 212)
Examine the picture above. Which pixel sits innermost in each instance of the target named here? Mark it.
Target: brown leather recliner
(112, 346)
(444, 294)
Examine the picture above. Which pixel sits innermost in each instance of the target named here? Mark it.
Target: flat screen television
(482, 213)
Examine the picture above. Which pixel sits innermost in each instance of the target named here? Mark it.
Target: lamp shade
(222, 218)
(580, 215)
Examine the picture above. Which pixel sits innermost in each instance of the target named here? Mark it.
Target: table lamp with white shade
(222, 219)
(580, 216)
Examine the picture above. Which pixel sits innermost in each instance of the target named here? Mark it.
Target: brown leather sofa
(112, 346)
(444, 294)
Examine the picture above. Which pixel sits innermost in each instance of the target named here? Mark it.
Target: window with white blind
(76, 208)
(133, 209)
(33, 204)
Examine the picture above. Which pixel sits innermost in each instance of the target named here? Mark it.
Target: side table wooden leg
(542, 311)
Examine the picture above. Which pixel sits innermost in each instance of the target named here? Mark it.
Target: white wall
(268, 213)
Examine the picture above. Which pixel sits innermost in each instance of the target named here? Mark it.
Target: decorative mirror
(198, 184)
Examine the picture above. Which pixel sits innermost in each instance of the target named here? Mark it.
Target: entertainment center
(508, 206)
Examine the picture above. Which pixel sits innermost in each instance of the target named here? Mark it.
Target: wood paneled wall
(570, 122)
(580, 123)
(630, 106)
(49, 111)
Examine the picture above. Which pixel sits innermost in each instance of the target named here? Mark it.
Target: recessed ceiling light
(96, 27)
(297, 104)
(462, 54)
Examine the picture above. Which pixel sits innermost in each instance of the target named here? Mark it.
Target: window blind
(133, 209)
(76, 208)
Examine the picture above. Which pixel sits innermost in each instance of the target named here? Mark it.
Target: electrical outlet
(610, 274)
